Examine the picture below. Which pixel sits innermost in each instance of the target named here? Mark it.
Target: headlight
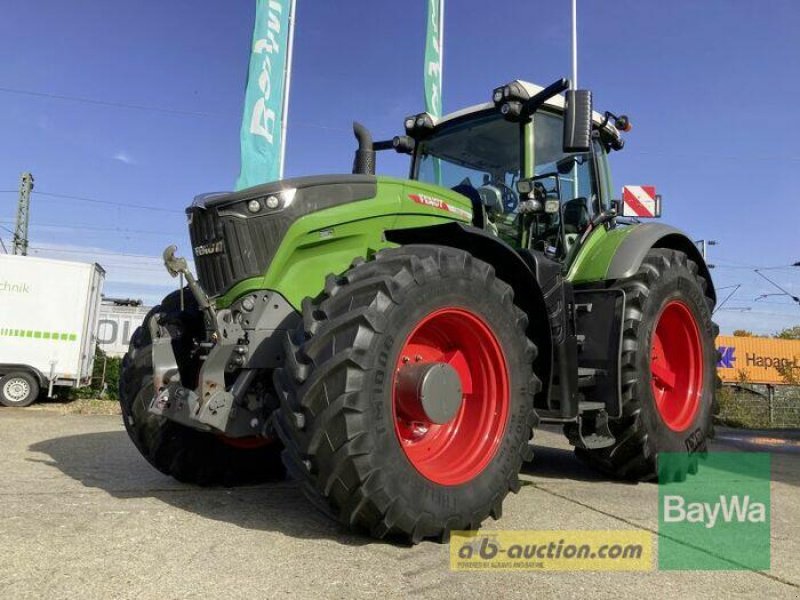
(254, 206)
(281, 200)
(551, 206)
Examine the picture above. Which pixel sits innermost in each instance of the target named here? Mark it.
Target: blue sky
(710, 86)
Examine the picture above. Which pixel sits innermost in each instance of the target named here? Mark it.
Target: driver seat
(576, 216)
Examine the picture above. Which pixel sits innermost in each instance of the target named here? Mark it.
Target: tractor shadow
(109, 461)
(560, 463)
(553, 458)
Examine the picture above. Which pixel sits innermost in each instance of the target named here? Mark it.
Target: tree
(743, 333)
(790, 333)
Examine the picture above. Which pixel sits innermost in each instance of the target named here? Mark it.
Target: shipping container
(757, 360)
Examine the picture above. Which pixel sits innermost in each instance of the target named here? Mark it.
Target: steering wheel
(510, 198)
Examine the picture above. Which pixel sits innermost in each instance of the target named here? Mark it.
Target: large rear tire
(357, 439)
(186, 454)
(668, 372)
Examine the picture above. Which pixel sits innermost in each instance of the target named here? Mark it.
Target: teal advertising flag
(433, 58)
(263, 133)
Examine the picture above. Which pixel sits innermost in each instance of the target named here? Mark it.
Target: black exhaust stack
(364, 162)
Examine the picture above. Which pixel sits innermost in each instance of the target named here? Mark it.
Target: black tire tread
(633, 456)
(328, 455)
(188, 455)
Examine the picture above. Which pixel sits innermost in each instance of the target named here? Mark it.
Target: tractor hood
(235, 235)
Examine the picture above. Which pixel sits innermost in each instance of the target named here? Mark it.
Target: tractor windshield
(476, 152)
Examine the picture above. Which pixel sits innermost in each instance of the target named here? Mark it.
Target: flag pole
(441, 52)
(574, 44)
(287, 86)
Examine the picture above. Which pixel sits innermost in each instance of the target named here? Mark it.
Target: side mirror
(578, 121)
(640, 202)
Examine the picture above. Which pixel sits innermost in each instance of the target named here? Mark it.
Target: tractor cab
(525, 186)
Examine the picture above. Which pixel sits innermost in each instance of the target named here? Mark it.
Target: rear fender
(631, 252)
(40, 377)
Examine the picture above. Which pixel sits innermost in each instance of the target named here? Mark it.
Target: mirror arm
(382, 145)
(533, 104)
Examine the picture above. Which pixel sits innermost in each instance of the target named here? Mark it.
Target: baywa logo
(12, 287)
(728, 508)
(719, 518)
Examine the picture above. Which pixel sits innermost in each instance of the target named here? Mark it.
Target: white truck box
(48, 318)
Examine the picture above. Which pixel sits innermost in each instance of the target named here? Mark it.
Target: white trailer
(48, 325)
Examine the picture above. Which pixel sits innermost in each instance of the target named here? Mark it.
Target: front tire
(186, 454)
(18, 389)
(668, 372)
(363, 451)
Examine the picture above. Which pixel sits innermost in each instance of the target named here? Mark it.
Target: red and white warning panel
(640, 201)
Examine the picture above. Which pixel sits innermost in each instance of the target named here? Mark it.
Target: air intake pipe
(364, 162)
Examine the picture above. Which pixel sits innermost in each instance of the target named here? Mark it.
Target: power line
(70, 226)
(718, 156)
(728, 297)
(142, 107)
(108, 202)
(98, 201)
(147, 108)
(792, 296)
(93, 252)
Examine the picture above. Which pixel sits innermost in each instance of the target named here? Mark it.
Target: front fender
(508, 265)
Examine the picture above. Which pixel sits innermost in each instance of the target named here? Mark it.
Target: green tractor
(392, 344)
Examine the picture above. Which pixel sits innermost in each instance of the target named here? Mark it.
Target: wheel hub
(429, 392)
(16, 389)
(451, 396)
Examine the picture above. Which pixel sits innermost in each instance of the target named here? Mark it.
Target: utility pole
(23, 213)
(704, 249)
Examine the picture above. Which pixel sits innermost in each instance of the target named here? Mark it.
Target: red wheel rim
(457, 451)
(245, 443)
(676, 365)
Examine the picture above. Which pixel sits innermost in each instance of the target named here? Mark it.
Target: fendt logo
(217, 247)
(727, 356)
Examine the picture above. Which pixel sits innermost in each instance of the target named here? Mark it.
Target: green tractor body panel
(594, 258)
(328, 240)
(617, 253)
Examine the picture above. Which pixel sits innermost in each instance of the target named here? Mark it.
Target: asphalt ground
(82, 515)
